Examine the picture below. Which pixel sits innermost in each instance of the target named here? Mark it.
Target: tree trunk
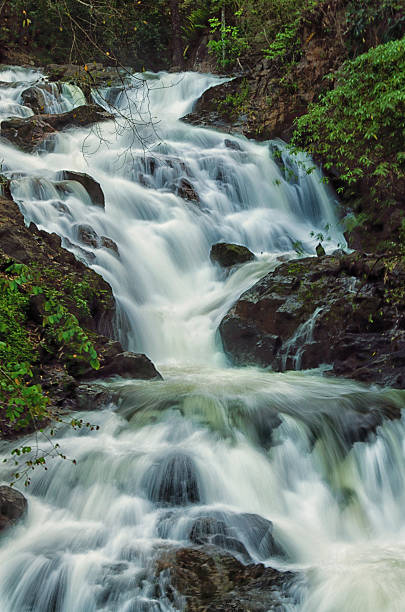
(177, 45)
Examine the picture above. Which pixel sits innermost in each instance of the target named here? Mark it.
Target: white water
(93, 531)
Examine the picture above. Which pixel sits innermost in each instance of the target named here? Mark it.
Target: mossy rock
(228, 254)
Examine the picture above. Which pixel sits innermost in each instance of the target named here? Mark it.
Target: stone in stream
(228, 254)
(218, 582)
(90, 237)
(13, 506)
(186, 191)
(35, 98)
(29, 132)
(172, 480)
(234, 532)
(89, 183)
(232, 144)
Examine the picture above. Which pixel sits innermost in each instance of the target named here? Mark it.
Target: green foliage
(230, 45)
(286, 44)
(358, 128)
(372, 21)
(21, 397)
(128, 31)
(235, 104)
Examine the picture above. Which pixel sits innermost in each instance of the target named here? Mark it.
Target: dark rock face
(114, 361)
(89, 236)
(224, 530)
(217, 582)
(331, 309)
(186, 191)
(34, 98)
(228, 255)
(13, 507)
(91, 186)
(173, 480)
(28, 133)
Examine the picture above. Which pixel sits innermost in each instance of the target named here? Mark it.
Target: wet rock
(91, 186)
(124, 364)
(27, 133)
(87, 235)
(246, 343)
(331, 309)
(186, 191)
(90, 237)
(62, 208)
(173, 480)
(96, 74)
(93, 397)
(108, 243)
(209, 530)
(232, 144)
(35, 97)
(214, 581)
(13, 506)
(227, 255)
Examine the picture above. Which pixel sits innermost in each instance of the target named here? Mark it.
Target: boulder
(87, 235)
(13, 506)
(218, 582)
(186, 191)
(35, 96)
(114, 361)
(228, 255)
(232, 144)
(330, 309)
(91, 186)
(172, 480)
(29, 132)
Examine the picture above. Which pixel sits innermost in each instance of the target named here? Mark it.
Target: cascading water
(239, 446)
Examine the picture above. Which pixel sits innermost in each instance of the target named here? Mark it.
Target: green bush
(358, 128)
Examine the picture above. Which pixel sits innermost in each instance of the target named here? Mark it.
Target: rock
(218, 582)
(36, 308)
(93, 397)
(232, 144)
(332, 309)
(87, 235)
(320, 251)
(27, 133)
(246, 343)
(96, 74)
(173, 480)
(91, 186)
(13, 506)
(114, 362)
(227, 255)
(35, 97)
(108, 243)
(128, 365)
(28, 245)
(186, 191)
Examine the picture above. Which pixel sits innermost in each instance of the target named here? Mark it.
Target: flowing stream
(241, 446)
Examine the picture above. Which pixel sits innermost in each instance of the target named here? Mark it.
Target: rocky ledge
(13, 507)
(211, 580)
(29, 132)
(344, 310)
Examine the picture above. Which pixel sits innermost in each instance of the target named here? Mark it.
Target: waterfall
(243, 447)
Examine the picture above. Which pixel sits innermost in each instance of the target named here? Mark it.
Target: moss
(15, 341)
